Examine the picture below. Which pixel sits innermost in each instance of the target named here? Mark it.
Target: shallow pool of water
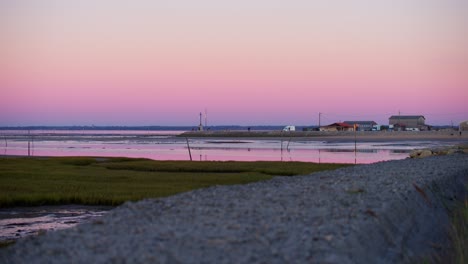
(20, 222)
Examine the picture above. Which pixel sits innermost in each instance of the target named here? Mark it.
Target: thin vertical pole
(287, 147)
(355, 144)
(29, 143)
(320, 114)
(399, 125)
(281, 141)
(188, 146)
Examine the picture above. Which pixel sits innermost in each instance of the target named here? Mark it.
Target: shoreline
(346, 136)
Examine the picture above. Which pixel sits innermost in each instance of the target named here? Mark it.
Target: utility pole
(200, 126)
(320, 114)
(399, 125)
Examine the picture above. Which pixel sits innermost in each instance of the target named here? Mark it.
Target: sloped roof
(407, 117)
(360, 122)
(339, 125)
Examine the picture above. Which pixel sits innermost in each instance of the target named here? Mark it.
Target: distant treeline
(163, 128)
(175, 128)
(144, 128)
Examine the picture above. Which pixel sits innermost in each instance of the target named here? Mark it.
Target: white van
(289, 128)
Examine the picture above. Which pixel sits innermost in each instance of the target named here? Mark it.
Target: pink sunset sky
(248, 62)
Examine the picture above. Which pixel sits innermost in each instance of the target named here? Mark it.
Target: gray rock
(421, 153)
(415, 153)
(425, 153)
(439, 151)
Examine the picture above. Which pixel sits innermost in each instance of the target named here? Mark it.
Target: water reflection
(308, 155)
(168, 147)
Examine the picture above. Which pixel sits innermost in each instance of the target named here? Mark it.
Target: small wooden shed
(337, 127)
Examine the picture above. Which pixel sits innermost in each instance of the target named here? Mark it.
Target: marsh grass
(459, 234)
(457, 249)
(112, 181)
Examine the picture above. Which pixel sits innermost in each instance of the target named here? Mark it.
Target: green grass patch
(112, 181)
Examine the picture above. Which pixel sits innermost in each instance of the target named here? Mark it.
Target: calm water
(163, 145)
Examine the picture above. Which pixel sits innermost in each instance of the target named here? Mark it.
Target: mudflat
(345, 136)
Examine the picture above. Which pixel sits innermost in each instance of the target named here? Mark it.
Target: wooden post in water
(29, 143)
(281, 141)
(355, 145)
(188, 146)
(287, 147)
(6, 146)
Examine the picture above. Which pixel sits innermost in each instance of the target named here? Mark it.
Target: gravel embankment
(389, 212)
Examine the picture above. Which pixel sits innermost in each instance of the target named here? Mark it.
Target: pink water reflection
(201, 150)
(37, 132)
(308, 155)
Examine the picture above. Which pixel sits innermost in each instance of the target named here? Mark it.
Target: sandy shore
(367, 136)
(360, 136)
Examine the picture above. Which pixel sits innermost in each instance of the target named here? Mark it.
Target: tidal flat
(314, 146)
